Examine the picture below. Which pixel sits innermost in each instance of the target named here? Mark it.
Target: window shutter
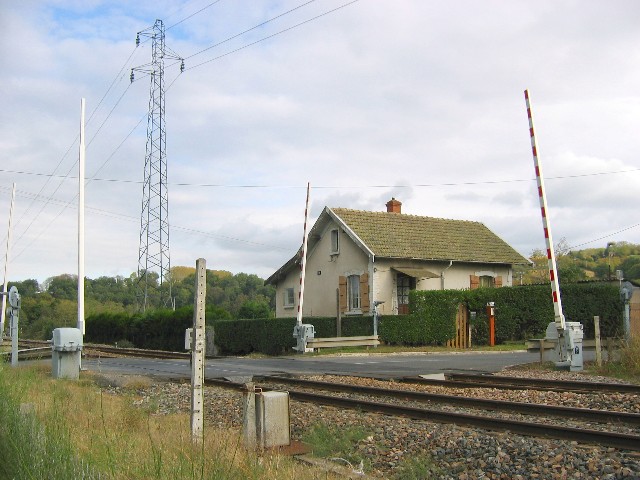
(364, 292)
(342, 289)
(498, 281)
(474, 282)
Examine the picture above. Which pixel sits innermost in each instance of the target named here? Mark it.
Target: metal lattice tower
(153, 254)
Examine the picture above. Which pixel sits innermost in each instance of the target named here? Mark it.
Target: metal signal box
(67, 348)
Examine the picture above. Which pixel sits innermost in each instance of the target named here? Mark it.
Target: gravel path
(451, 452)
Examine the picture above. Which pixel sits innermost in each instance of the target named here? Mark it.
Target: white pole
(198, 347)
(81, 326)
(6, 265)
(303, 261)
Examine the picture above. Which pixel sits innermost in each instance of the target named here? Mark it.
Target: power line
(605, 236)
(318, 187)
(192, 15)
(273, 35)
(250, 29)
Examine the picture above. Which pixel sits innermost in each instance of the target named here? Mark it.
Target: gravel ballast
(454, 452)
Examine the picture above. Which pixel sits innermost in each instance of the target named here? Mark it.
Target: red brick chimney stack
(394, 206)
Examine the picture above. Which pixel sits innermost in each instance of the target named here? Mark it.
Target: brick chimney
(394, 206)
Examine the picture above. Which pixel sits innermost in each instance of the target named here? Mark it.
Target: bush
(521, 312)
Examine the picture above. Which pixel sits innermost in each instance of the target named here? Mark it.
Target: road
(375, 365)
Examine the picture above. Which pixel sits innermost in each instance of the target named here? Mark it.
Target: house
(356, 258)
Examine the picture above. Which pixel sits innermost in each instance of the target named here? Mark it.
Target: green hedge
(274, 336)
(521, 313)
(164, 330)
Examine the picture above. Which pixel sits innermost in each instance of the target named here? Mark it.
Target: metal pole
(551, 256)
(14, 302)
(303, 261)
(81, 174)
(197, 353)
(6, 265)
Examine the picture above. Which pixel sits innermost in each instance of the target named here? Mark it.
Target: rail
(602, 416)
(608, 439)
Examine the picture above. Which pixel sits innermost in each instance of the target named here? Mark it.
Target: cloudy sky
(421, 100)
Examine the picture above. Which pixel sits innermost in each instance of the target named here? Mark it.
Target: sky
(368, 100)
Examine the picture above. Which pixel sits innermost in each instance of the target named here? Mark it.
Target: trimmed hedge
(164, 330)
(521, 312)
(274, 336)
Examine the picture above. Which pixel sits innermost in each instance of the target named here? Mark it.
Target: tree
(26, 288)
(631, 267)
(63, 286)
(254, 309)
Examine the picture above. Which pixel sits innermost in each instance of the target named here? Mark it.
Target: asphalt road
(375, 365)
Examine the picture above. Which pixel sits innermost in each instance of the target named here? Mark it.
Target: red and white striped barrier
(551, 256)
(303, 260)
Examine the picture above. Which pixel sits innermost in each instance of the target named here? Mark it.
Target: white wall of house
(456, 277)
(324, 269)
(322, 272)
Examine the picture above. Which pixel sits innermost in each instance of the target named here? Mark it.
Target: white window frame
(288, 298)
(354, 296)
(335, 241)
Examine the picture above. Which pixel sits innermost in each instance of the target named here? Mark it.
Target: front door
(405, 285)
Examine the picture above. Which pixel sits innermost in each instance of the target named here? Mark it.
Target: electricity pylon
(154, 219)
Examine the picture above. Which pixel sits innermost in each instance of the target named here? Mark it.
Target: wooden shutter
(364, 293)
(497, 282)
(474, 282)
(342, 289)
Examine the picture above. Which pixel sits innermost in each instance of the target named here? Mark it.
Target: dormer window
(335, 241)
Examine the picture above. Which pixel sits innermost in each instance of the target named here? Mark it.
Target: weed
(417, 468)
(628, 365)
(335, 442)
(76, 430)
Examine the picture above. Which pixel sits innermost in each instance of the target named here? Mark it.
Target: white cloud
(422, 101)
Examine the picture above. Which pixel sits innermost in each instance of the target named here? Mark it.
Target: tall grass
(627, 366)
(76, 431)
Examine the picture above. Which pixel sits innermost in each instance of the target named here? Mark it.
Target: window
(486, 281)
(405, 284)
(335, 242)
(353, 292)
(288, 298)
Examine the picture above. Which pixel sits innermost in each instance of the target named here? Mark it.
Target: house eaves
(352, 235)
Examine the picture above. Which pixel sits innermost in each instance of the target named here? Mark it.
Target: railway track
(92, 349)
(498, 381)
(623, 441)
(598, 416)
(512, 383)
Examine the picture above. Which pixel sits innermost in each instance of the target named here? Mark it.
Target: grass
(417, 468)
(336, 442)
(627, 367)
(75, 430)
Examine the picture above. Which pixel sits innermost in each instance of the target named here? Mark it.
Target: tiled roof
(397, 235)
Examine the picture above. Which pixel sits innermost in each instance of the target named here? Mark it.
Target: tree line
(579, 265)
(54, 304)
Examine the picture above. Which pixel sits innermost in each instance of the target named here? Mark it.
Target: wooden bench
(333, 342)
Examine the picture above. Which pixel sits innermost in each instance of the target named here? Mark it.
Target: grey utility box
(266, 421)
(65, 357)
